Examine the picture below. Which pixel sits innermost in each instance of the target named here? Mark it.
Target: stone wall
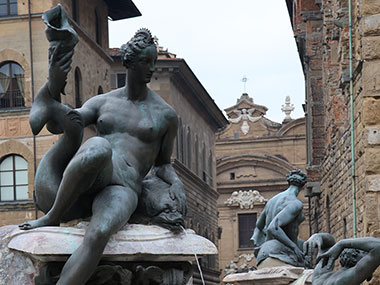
(333, 208)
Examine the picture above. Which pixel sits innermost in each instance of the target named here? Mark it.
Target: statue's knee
(98, 237)
(97, 151)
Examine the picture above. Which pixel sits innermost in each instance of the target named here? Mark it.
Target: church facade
(253, 156)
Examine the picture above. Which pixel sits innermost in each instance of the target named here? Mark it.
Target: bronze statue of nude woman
(101, 178)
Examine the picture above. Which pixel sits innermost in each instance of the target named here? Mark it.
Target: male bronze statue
(103, 177)
(359, 258)
(276, 234)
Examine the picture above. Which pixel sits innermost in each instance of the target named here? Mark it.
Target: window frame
(248, 233)
(10, 92)
(14, 171)
(8, 5)
(78, 87)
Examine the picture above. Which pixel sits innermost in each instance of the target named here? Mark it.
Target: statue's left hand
(59, 67)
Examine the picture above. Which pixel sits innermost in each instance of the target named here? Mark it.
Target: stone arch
(12, 55)
(271, 162)
(16, 147)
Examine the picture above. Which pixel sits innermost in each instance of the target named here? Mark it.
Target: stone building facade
(343, 138)
(194, 154)
(24, 69)
(254, 155)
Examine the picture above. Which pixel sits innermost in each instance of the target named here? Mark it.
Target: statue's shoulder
(105, 97)
(162, 106)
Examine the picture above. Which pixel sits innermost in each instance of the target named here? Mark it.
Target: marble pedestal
(138, 254)
(285, 275)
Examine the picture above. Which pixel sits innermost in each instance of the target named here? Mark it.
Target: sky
(223, 41)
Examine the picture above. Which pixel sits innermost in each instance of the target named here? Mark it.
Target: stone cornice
(183, 77)
(90, 41)
(259, 139)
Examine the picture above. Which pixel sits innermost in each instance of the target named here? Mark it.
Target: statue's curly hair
(129, 51)
(349, 257)
(296, 177)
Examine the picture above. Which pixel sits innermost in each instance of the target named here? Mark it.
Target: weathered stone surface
(134, 242)
(370, 7)
(15, 268)
(371, 47)
(374, 135)
(373, 183)
(26, 255)
(370, 109)
(372, 159)
(371, 25)
(267, 276)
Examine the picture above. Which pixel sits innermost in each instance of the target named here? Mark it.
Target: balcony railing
(12, 99)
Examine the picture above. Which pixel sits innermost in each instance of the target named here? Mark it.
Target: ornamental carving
(245, 116)
(240, 265)
(245, 199)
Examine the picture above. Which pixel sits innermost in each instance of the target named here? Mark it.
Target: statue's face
(143, 67)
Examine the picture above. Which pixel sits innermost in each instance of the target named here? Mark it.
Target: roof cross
(244, 80)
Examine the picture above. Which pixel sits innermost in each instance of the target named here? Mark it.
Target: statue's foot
(41, 222)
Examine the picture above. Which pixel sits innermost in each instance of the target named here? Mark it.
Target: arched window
(75, 10)
(11, 85)
(100, 90)
(188, 148)
(78, 88)
(13, 178)
(180, 143)
(8, 7)
(328, 214)
(204, 175)
(98, 29)
(210, 168)
(196, 154)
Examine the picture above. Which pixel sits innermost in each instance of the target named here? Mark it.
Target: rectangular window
(8, 7)
(247, 223)
(121, 80)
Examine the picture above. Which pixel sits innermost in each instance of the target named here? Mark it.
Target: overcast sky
(224, 40)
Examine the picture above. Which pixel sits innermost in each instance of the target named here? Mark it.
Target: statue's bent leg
(112, 208)
(93, 159)
(50, 170)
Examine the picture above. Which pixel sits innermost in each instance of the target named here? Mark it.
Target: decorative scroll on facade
(241, 264)
(245, 199)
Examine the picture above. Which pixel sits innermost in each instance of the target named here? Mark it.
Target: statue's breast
(138, 121)
(105, 124)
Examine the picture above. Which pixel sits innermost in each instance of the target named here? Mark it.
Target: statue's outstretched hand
(309, 246)
(59, 67)
(330, 256)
